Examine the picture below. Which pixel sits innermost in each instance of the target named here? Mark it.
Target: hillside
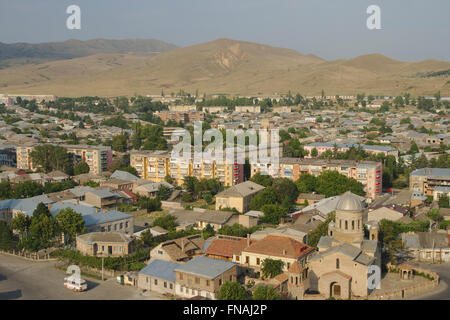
(17, 53)
(224, 66)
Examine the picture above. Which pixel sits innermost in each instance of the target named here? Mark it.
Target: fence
(33, 256)
(411, 291)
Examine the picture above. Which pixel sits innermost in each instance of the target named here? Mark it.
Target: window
(258, 261)
(288, 265)
(247, 259)
(359, 224)
(197, 280)
(156, 282)
(109, 227)
(115, 227)
(181, 276)
(353, 224)
(340, 224)
(207, 283)
(121, 225)
(337, 263)
(237, 258)
(231, 278)
(171, 286)
(346, 225)
(160, 252)
(126, 224)
(220, 282)
(165, 284)
(147, 279)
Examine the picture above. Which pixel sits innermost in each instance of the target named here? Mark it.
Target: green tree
(314, 152)
(120, 142)
(272, 213)
(163, 192)
(27, 189)
(332, 183)
(231, 290)
(43, 228)
(265, 292)
(167, 222)
(306, 183)
(444, 201)
(6, 236)
(70, 223)
(80, 168)
(21, 224)
(314, 236)
(262, 179)
(271, 268)
(50, 157)
(267, 196)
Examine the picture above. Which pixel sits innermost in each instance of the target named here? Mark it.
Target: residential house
(238, 196)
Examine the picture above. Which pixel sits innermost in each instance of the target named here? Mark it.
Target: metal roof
(205, 267)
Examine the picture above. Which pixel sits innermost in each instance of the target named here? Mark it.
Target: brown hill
(224, 66)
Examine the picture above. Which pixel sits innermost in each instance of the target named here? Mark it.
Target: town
(362, 183)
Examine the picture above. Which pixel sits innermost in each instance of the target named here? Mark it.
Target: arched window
(337, 263)
(340, 224)
(353, 224)
(346, 225)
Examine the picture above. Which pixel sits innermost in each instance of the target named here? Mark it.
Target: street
(442, 292)
(30, 280)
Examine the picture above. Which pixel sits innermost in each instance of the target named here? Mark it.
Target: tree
(27, 189)
(414, 148)
(262, 179)
(167, 222)
(189, 184)
(286, 189)
(444, 201)
(80, 168)
(434, 215)
(43, 228)
(271, 268)
(50, 157)
(119, 142)
(265, 292)
(5, 190)
(314, 236)
(21, 224)
(70, 223)
(267, 196)
(332, 183)
(314, 152)
(231, 290)
(272, 213)
(6, 236)
(151, 204)
(163, 192)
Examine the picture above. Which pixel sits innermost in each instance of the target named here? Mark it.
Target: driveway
(30, 280)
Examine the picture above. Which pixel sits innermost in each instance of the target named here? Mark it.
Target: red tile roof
(280, 246)
(226, 247)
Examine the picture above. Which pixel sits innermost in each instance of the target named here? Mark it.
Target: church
(340, 268)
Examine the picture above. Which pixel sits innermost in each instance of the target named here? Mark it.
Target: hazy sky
(412, 30)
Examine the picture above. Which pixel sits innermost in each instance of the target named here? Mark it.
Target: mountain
(223, 66)
(76, 48)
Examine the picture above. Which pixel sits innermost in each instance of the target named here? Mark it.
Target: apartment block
(369, 173)
(343, 147)
(155, 165)
(426, 180)
(97, 157)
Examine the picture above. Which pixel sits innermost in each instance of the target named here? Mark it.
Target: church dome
(349, 202)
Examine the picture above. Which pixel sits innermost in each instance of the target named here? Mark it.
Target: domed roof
(349, 202)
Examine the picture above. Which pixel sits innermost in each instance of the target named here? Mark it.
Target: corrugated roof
(161, 269)
(205, 267)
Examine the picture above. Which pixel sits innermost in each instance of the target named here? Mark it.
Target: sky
(411, 30)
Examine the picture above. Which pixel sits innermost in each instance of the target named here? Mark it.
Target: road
(31, 280)
(442, 292)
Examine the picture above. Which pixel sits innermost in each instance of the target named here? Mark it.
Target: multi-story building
(427, 179)
(97, 157)
(8, 156)
(156, 165)
(369, 173)
(343, 147)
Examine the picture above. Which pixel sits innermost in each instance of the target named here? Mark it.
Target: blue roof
(205, 267)
(161, 269)
(89, 214)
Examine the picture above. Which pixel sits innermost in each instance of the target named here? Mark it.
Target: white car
(78, 285)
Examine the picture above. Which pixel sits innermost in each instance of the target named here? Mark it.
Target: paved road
(442, 292)
(23, 279)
